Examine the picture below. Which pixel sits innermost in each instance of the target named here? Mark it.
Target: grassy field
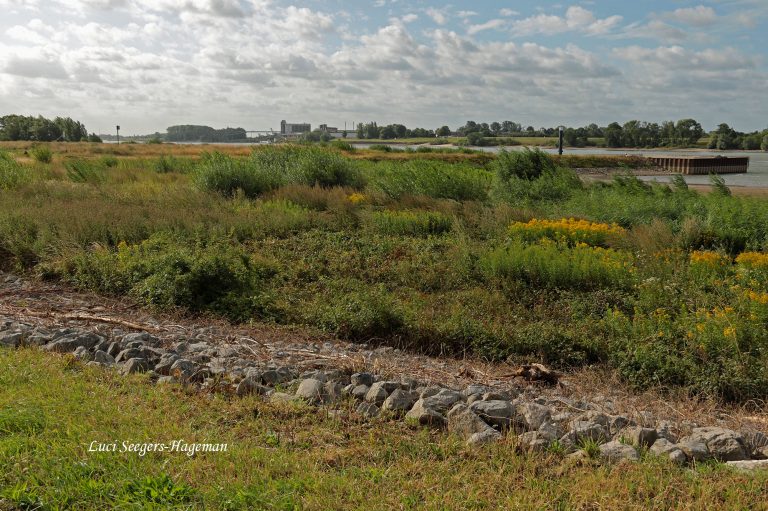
(508, 257)
(288, 456)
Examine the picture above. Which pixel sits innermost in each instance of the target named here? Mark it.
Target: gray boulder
(663, 447)
(534, 415)
(368, 410)
(361, 379)
(399, 401)
(135, 365)
(102, 357)
(495, 413)
(311, 390)
(582, 431)
(468, 425)
(748, 465)
(639, 436)
(379, 392)
(183, 369)
(721, 444)
(425, 416)
(10, 339)
(360, 391)
(616, 451)
(251, 386)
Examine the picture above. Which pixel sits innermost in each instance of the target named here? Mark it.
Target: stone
(550, 431)
(616, 451)
(666, 430)
(166, 362)
(443, 400)
(494, 395)
(663, 447)
(694, 449)
(281, 397)
(748, 465)
(83, 354)
(431, 391)
(532, 441)
(755, 442)
(127, 354)
(619, 422)
(721, 444)
(183, 369)
(474, 397)
(425, 416)
(639, 436)
(347, 390)
(369, 410)
(141, 337)
(495, 413)
(474, 389)
(333, 391)
(114, 349)
(468, 425)
(276, 376)
(102, 357)
(135, 365)
(378, 393)
(359, 392)
(534, 415)
(399, 401)
(311, 390)
(37, 339)
(11, 340)
(582, 431)
(249, 386)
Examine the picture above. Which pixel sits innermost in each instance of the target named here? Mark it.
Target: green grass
(290, 456)
(417, 252)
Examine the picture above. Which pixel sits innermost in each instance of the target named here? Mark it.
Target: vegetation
(441, 252)
(19, 127)
(284, 456)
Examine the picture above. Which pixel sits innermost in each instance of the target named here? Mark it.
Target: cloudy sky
(148, 64)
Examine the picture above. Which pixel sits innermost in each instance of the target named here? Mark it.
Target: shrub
(431, 178)
(411, 223)
(109, 161)
(224, 174)
(306, 165)
(342, 146)
(526, 164)
(552, 265)
(167, 271)
(381, 148)
(42, 153)
(361, 314)
(12, 173)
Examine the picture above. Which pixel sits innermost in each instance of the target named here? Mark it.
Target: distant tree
(443, 131)
(400, 130)
(688, 131)
(93, 137)
(764, 144)
(495, 128)
(387, 133)
(613, 135)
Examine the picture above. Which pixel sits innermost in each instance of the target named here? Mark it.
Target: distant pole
(560, 140)
(118, 135)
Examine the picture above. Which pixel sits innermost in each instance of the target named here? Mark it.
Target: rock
(616, 451)
(474, 389)
(618, 423)
(141, 337)
(333, 391)
(281, 397)
(311, 390)
(378, 392)
(166, 363)
(361, 379)
(495, 413)
(368, 409)
(748, 465)
(347, 390)
(431, 391)
(425, 416)
(474, 397)
(534, 415)
(102, 357)
(277, 376)
(11, 340)
(721, 444)
(755, 442)
(639, 436)
(497, 396)
(114, 349)
(183, 369)
(466, 424)
(360, 391)
(127, 354)
(250, 385)
(582, 431)
(135, 365)
(37, 339)
(83, 354)
(666, 430)
(663, 447)
(532, 441)
(400, 401)
(695, 449)
(443, 400)
(550, 431)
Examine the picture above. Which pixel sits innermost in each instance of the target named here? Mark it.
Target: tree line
(65, 129)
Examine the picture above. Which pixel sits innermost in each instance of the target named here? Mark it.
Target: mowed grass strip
(290, 456)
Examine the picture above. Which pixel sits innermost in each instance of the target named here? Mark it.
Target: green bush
(308, 165)
(526, 164)
(431, 178)
(551, 265)
(411, 223)
(167, 271)
(227, 175)
(381, 148)
(12, 173)
(361, 314)
(42, 153)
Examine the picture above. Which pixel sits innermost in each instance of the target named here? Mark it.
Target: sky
(150, 64)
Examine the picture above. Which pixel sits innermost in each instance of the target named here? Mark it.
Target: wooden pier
(703, 164)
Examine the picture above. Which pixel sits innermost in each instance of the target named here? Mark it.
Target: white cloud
(699, 16)
(488, 25)
(437, 15)
(508, 12)
(576, 19)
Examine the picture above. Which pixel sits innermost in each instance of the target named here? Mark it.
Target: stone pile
(476, 413)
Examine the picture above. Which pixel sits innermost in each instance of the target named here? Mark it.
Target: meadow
(453, 252)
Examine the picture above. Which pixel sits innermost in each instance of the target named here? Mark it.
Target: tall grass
(12, 173)
(411, 223)
(42, 153)
(435, 179)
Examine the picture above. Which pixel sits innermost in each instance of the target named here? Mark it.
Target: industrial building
(287, 128)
